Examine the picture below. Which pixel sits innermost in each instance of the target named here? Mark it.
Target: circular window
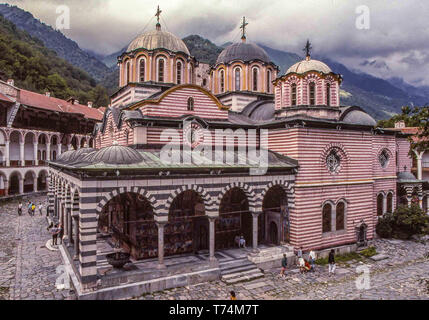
(193, 134)
(333, 161)
(383, 158)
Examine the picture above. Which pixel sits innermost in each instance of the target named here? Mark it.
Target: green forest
(37, 68)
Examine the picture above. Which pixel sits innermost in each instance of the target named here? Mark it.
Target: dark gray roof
(243, 51)
(407, 177)
(115, 154)
(356, 115)
(256, 112)
(78, 155)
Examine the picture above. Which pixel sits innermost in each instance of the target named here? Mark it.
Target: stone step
(244, 278)
(232, 263)
(238, 274)
(237, 269)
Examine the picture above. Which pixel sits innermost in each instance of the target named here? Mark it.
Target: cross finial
(243, 29)
(307, 49)
(157, 15)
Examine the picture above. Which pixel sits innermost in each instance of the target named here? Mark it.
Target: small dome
(309, 65)
(79, 154)
(158, 39)
(406, 176)
(359, 117)
(115, 154)
(65, 156)
(243, 51)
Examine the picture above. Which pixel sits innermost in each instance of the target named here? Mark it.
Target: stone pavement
(27, 267)
(28, 271)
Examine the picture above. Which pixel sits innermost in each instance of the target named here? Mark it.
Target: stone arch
(15, 184)
(139, 190)
(209, 206)
(287, 186)
(248, 191)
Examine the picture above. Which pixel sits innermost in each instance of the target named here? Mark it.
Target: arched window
(312, 93)
(389, 202)
(237, 79)
(328, 94)
(161, 70)
(128, 71)
(190, 104)
(268, 81)
(380, 200)
(293, 94)
(43, 155)
(339, 219)
(327, 218)
(255, 79)
(222, 81)
(54, 155)
(179, 72)
(142, 69)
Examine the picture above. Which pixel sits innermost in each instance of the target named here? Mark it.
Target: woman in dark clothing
(331, 260)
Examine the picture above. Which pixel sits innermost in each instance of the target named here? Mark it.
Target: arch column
(35, 184)
(6, 187)
(419, 157)
(7, 153)
(427, 203)
(384, 203)
(59, 149)
(212, 221)
(255, 216)
(21, 185)
(160, 223)
(35, 146)
(21, 153)
(48, 151)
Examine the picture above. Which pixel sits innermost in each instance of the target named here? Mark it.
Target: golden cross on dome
(243, 28)
(307, 49)
(158, 14)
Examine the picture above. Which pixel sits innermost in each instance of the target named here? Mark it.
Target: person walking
(40, 208)
(33, 209)
(60, 232)
(299, 253)
(331, 260)
(19, 208)
(284, 265)
(312, 257)
(54, 232)
(29, 208)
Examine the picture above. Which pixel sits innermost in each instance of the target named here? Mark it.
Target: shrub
(369, 252)
(403, 223)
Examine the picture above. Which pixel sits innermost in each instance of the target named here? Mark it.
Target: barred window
(293, 94)
(383, 158)
(326, 218)
(312, 89)
(333, 161)
(340, 216)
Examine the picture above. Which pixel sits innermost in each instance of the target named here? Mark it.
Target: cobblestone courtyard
(28, 270)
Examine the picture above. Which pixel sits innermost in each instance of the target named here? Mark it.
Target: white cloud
(397, 27)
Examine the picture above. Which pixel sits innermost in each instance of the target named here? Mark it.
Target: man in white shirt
(40, 209)
(312, 257)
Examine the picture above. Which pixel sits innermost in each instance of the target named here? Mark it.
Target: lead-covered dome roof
(243, 51)
(115, 154)
(309, 65)
(158, 39)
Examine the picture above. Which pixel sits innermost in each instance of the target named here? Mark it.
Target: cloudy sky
(396, 42)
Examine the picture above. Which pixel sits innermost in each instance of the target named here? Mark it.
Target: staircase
(239, 270)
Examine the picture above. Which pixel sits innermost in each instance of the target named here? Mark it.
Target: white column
(212, 238)
(69, 147)
(35, 146)
(160, 226)
(59, 149)
(48, 151)
(7, 153)
(384, 204)
(255, 230)
(427, 204)
(35, 184)
(6, 187)
(21, 153)
(419, 156)
(21, 185)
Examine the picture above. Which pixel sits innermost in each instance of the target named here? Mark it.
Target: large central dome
(243, 51)
(158, 39)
